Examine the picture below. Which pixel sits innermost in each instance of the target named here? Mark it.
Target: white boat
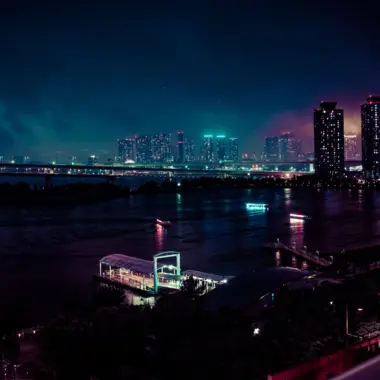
(164, 223)
(256, 206)
(299, 216)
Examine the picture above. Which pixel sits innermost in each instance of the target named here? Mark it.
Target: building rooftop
(128, 262)
(373, 99)
(242, 291)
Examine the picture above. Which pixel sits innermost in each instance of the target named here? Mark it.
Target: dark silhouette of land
(83, 192)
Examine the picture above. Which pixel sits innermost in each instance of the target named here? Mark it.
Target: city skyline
(191, 69)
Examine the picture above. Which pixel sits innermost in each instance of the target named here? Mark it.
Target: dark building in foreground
(328, 140)
(370, 114)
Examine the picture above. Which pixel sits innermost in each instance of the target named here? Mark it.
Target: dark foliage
(193, 288)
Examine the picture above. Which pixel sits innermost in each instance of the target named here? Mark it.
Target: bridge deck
(308, 256)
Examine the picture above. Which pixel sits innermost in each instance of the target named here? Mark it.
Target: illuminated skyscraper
(181, 148)
(207, 150)
(162, 148)
(144, 149)
(233, 149)
(221, 145)
(189, 146)
(289, 148)
(127, 150)
(371, 136)
(271, 149)
(350, 147)
(328, 140)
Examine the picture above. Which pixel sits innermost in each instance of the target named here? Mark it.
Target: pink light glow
(298, 216)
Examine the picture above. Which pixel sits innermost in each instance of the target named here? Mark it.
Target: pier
(301, 252)
(147, 276)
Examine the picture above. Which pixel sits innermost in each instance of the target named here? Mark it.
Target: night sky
(74, 78)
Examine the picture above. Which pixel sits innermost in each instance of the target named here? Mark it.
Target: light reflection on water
(160, 235)
(55, 251)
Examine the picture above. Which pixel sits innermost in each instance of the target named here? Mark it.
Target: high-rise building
(207, 150)
(328, 140)
(162, 148)
(271, 149)
(144, 149)
(181, 148)
(351, 147)
(189, 146)
(92, 160)
(371, 136)
(221, 145)
(233, 149)
(126, 149)
(289, 148)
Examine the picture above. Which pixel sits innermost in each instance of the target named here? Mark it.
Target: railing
(313, 257)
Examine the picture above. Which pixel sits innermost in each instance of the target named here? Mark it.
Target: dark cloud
(77, 76)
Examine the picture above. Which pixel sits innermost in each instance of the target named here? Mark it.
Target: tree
(192, 287)
(107, 296)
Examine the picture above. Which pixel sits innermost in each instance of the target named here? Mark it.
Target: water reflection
(278, 258)
(297, 231)
(160, 235)
(287, 196)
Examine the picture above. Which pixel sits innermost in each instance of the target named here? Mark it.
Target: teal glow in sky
(74, 78)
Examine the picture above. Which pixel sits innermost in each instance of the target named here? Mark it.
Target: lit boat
(257, 206)
(164, 223)
(299, 217)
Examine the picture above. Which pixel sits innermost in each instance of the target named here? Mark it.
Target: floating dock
(147, 276)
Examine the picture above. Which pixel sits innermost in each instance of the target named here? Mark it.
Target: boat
(300, 217)
(257, 206)
(164, 223)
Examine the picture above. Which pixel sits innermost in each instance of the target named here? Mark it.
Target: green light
(208, 136)
(13, 161)
(221, 137)
(53, 162)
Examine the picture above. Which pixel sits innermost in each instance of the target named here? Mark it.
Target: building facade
(328, 140)
(370, 120)
(181, 147)
(161, 146)
(289, 148)
(221, 148)
(271, 149)
(126, 150)
(351, 147)
(92, 160)
(233, 149)
(143, 149)
(207, 149)
(190, 150)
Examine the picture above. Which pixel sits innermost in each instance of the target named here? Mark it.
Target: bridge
(300, 252)
(126, 170)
